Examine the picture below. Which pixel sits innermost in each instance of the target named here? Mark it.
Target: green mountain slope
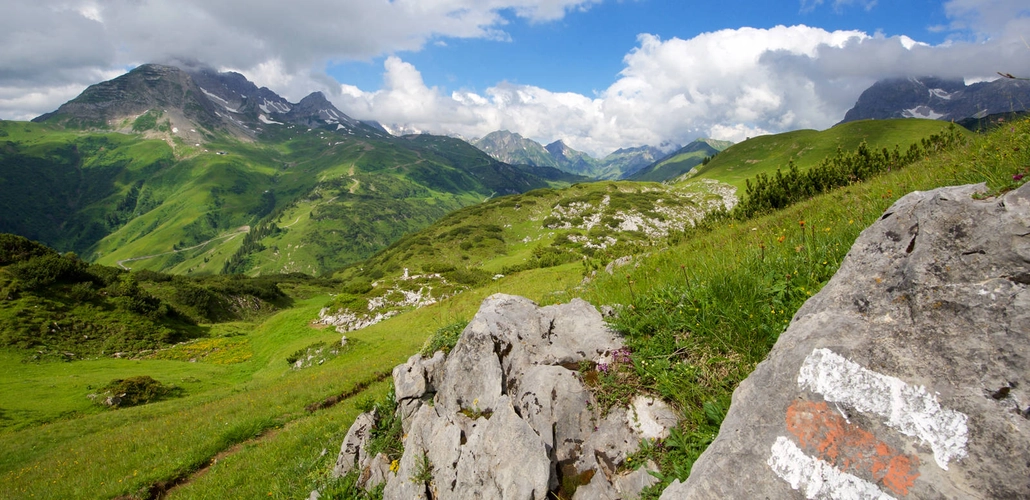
(680, 161)
(322, 199)
(207, 174)
(588, 224)
(764, 154)
(58, 307)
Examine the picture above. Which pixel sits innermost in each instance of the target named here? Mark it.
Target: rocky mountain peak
(315, 110)
(558, 148)
(200, 98)
(939, 98)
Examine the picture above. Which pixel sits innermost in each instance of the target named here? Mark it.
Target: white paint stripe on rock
(910, 409)
(816, 478)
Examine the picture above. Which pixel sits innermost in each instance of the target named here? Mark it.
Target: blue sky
(597, 74)
(583, 52)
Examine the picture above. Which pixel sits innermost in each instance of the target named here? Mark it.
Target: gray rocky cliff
(906, 376)
(506, 413)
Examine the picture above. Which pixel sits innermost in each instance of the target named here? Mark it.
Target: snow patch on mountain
(921, 112)
(219, 100)
(274, 107)
(264, 119)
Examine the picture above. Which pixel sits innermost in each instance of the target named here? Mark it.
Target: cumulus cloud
(989, 19)
(721, 84)
(727, 84)
(63, 43)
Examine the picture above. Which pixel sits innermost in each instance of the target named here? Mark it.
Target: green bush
(44, 270)
(136, 391)
(470, 277)
(16, 248)
(767, 193)
(443, 339)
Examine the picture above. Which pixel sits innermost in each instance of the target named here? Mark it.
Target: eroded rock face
(507, 415)
(905, 377)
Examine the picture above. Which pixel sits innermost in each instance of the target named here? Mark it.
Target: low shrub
(135, 391)
(443, 339)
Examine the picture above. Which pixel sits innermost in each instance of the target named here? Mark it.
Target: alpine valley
(205, 285)
(203, 172)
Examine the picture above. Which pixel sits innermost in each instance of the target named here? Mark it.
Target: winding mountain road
(226, 237)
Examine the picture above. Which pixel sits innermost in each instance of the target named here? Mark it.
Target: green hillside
(681, 161)
(58, 307)
(588, 225)
(320, 199)
(764, 154)
(699, 309)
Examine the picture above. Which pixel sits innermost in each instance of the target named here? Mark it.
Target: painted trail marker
(910, 409)
(835, 459)
(824, 433)
(816, 478)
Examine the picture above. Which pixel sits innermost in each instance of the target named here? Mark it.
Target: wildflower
(1017, 177)
(801, 223)
(780, 239)
(395, 466)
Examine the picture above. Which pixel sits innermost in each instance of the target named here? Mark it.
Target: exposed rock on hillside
(939, 99)
(507, 415)
(905, 377)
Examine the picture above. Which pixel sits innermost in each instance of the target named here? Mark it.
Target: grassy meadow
(699, 308)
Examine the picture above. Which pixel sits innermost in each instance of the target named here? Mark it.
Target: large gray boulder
(507, 415)
(907, 376)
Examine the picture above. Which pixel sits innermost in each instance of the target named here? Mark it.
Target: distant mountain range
(624, 163)
(939, 99)
(680, 161)
(196, 171)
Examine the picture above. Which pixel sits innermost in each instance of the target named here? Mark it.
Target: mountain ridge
(939, 99)
(510, 147)
(681, 161)
(223, 176)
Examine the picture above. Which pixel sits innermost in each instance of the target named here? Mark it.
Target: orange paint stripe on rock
(827, 435)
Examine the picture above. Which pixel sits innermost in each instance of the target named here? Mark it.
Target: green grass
(698, 309)
(700, 314)
(764, 154)
(111, 197)
(125, 451)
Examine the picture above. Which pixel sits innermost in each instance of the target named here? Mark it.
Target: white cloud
(715, 84)
(727, 84)
(60, 43)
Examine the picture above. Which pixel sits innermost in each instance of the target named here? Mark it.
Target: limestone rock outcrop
(906, 376)
(506, 413)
